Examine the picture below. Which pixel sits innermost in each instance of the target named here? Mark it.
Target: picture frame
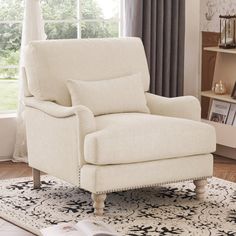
(233, 95)
(219, 111)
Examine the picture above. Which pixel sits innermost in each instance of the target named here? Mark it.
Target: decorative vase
(219, 88)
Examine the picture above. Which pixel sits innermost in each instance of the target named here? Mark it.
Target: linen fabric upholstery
(112, 178)
(138, 137)
(110, 152)
(59, 111)
(55, 144)
(187, 107)
(124, 94)
(58, 131)
(49, 64)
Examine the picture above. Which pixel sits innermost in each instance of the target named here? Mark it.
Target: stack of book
(223, 112)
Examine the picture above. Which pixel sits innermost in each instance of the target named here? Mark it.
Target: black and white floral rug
(168, 210)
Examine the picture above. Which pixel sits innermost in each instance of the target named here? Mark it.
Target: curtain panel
(33, 29)
(161, 26)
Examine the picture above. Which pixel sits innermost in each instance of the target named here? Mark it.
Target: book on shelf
(82, 228)
(231, 115)
(234, 122)
(219, 111)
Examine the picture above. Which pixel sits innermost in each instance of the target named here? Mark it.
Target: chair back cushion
(119, 95)
(49, 64)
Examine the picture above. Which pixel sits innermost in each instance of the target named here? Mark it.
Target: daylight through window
(63, 19)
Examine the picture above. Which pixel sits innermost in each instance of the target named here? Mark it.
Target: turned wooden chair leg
(36, 178)
(200, 188)
(98, 203)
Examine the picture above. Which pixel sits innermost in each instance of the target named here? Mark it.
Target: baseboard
(226, 151)
(5, 158)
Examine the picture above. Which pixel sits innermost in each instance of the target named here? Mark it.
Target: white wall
(192, 48)
(210, 11)
(7, 135)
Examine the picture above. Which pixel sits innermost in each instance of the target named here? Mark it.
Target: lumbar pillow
(123, 94)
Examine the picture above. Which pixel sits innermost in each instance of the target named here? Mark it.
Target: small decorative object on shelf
(227, 31)
(233, 95)
(219, 88)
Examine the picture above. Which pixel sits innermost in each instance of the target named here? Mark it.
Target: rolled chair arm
(187, 107)
(55, 110)
(64, 126)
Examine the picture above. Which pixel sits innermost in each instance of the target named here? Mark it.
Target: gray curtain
(161, 26)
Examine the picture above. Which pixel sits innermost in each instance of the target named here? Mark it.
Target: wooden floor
(224, 168)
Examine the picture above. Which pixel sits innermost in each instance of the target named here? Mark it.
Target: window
(81, 18)
(11, 15)
(63, 19)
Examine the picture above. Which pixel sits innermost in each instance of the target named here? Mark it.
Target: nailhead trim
(79, 172)
(151, 185)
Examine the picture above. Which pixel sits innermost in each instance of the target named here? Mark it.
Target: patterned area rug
(168, 210)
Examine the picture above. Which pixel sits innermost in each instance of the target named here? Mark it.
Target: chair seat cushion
(135, 137)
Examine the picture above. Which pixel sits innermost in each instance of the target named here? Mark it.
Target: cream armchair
(115, 151)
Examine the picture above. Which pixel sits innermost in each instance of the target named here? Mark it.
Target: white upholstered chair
(91, 121)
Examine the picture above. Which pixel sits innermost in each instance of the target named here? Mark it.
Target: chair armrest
(187, 107)
(55, 110)
(55, 136)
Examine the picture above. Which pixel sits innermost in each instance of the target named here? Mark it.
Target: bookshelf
(217, 49)
(225, 97)
(225, 70)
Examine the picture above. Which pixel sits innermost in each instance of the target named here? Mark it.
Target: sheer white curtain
(33, 29)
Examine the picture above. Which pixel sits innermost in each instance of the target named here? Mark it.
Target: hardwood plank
(10, 169)
(225, 168)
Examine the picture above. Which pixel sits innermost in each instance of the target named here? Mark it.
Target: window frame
(78, 21)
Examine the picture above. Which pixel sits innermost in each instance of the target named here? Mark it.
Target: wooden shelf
(224, 69)
(225, 134)
(217, 49)
(225, 97)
